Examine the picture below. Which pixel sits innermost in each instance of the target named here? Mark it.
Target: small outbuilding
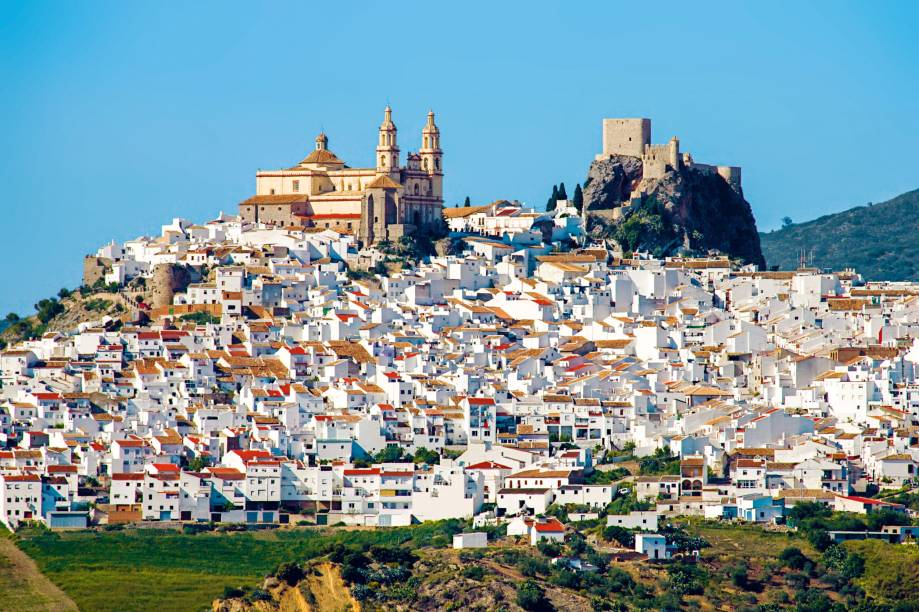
(476, 539)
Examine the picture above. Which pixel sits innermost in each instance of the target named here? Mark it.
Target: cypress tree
(550, 203)
(467, 203)
(562, 194)
(578, 197)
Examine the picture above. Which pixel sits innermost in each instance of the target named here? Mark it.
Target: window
(296, 185)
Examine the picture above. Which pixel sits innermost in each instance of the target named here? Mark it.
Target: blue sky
(116, 117)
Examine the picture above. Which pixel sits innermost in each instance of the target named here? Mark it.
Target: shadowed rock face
(687, 211)
(610, 181)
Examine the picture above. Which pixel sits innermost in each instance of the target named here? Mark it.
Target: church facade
(376, 204)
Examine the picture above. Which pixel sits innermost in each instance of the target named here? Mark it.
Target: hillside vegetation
(742, 567)
(879, 240)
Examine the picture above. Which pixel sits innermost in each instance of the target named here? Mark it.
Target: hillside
(878, 240)
(742, 567)
(684, 212)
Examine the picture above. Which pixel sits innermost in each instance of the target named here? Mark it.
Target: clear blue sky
(117, 116)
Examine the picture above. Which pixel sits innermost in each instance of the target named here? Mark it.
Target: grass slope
(147, 569)
(22, 586)
(878, 241)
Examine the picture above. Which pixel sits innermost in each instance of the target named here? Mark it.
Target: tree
(391, 454)
(12, 317)
(578, 200)
(197, 464)
(47, 309)
(64, 293)
(786, 221)
(793, 558)
(467, 202)
(423, 455)
(550, 203)
(562, 194)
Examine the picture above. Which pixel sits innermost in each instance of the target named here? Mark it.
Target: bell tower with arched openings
(432, 156)
(387, 148)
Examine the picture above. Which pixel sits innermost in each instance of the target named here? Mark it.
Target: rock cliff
(684, 212)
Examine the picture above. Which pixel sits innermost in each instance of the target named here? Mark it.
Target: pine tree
(467, 203)
(562, 194)
(578, 197)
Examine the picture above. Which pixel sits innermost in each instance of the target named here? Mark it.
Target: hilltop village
(299, 362)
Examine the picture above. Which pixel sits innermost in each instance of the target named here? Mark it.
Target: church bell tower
(432, 156)
(387, 149)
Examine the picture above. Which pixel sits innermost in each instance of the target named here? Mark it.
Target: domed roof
(321, 156)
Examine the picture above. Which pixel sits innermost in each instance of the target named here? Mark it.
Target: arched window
(416, 188)
(437, 164)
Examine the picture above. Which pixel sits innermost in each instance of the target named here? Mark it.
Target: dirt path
(23, 587)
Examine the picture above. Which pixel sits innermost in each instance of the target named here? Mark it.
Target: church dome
(321, 156)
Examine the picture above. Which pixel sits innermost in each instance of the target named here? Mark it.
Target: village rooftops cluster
(488, 384)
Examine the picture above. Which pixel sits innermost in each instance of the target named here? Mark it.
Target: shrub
(233, 592)
(620, 581)
(392, 554)
(474, 572)
(291, 573)
(565, 578)
(813, 600)
(850, 565)
(819, 539)
(661, 462)
(615, 533)
(793, 557)
(258, 595)
(738, 575)
(797, 580)
(549, 549)
(530, 566)
(530, 596)
(686, 579)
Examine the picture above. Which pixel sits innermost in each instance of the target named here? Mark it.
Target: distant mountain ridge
(881, 241)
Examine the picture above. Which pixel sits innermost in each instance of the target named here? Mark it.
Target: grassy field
(22, 585)
(745, 542)
(167, 570)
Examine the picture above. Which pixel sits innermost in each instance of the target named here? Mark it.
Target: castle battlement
(632, 137)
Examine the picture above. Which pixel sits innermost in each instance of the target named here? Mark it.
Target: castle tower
(387, 149)
(322, 142)
(432, 156)
(673, 153)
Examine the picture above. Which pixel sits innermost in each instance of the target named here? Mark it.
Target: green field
(142, 569)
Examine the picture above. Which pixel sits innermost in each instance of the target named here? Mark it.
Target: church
(375, 204)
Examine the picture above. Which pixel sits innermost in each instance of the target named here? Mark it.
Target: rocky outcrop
(321, 590)
(610, 181)
(690, 211)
